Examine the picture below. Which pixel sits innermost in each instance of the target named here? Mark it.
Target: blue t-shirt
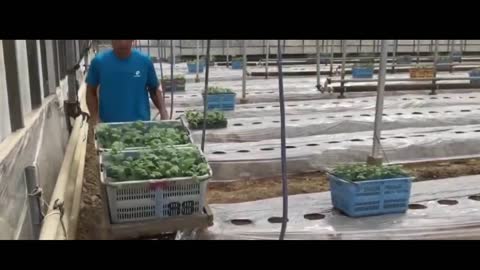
(123, 85)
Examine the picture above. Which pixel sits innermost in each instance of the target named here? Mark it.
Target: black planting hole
(465, 111)
(313, 118)
(314, 216)
(475, 197)
(333, 142)
(266, 149)
(478, 130)
(448, 202)
(218, 153)
(275, 106)
(312, 144)
(471, 97)
(179, 111)
(399, 113)
(400, 137)
(420, 98)
(347, 116)
(382, 138)
(238, 124)
(417, 113)
(276, 121)
(194, 95)
(240, 222)
(459, 132)
(294, 120)
(405, 98)
(270, 92)
(330, 116)
(364, 114)
(290, 147)
(448, 111)
(276, 219)
(385, 114)
(416, 206)
(364, 100)
(243, 151)
(336, 102)
(256, 123)
(260, 107)
(432, 112)
(292, 105)
(356, 140)
(418, 135)
(180, 96)
(446, 97)
(433, 98)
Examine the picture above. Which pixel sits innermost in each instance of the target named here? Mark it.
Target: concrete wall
(4, 109)
(22, 62)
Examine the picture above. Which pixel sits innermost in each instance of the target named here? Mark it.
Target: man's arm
(92, 103)
(156, 96)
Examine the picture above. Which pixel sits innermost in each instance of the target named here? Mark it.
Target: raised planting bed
(215, 120)
(159, 182)
(178, 83)
(222, 99)
(141, 134)
(363, 190)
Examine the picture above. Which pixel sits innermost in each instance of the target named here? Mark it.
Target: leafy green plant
(156, 163)
(215, 119)
(362, 172)
(219, 90)
(139, 134)
(237, 58)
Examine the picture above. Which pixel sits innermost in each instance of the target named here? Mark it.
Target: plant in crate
(192, 66)
(363, 69)
(365, 190)
(237, 62)
(220, 98)
(178, 81)
(475, 73)
(215, 119)
(443, 62)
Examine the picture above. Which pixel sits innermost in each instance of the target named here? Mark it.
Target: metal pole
(435, 60)
(267, 58)
(317, 43)
(360, 47)
(283, 145)
(375, 158)
(160, 59)
(244, 74)
(197, 78)
(344, 47)
(205, 99)
(331, 57)
(228, 53)
(172, 82)
(394, 60)
(34, 202)
(148, 47)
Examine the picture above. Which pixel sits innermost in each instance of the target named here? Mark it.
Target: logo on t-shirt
(137, 74)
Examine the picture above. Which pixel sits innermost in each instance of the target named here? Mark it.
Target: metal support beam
(228, 53)
(394, 55)
(344, 49)
(331, 56)
(159, 52)
(13, 85)
(317, 43)
(197, 78)
(376, 158)
(435, 61)
(34, 74)
(43, 54)
(267, 56)
(244, 73)
(34, 199)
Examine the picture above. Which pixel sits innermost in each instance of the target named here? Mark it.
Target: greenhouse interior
(239, 139)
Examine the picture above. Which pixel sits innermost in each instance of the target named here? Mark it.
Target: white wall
(24, 82)
(4, 109)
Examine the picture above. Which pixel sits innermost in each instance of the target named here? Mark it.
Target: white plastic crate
(134, 201)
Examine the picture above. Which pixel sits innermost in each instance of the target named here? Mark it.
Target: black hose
(205, 97)
(172, 83)
(283, 143)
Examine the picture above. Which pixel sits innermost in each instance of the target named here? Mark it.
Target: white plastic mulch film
(42, 145)
(445, 209)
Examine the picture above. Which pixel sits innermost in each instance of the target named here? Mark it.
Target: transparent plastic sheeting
(264, 128)
(43, 145)
(437, 221)
(232, 161)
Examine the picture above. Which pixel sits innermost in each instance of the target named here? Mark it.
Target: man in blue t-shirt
(124, 79)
